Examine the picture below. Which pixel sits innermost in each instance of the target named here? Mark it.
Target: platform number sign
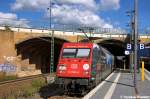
(142, 46)
(129, 46)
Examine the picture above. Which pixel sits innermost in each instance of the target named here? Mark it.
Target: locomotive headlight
(62, 67)
(86, 66)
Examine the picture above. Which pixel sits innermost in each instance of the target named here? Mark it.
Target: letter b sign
(141, 46)
(129, 47)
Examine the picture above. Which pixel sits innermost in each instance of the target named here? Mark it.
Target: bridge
(29, 49)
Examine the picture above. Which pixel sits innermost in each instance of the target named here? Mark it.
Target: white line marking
(147, 71)
(112, 88)
(92, 92)
(147, 77)
(146, 74)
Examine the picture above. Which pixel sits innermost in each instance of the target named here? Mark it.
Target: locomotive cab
(74, 63)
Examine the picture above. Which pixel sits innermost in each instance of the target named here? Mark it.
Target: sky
(97, 13)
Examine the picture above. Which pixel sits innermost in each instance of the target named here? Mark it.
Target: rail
(24, 78)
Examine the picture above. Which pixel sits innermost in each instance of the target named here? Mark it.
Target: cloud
(11, 19)
(110, 4)
(90, 4)
(42, 4)
(78, 12)
(107, 26)
(30, 4)
(66, 14)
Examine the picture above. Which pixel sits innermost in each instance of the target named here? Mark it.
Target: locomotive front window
(82, 53)
(69, 53)
(76, 53)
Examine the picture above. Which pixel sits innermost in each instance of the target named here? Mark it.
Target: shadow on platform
(50, 90)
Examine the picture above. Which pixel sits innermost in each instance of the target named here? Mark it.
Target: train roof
(85, 45)
(79, 45)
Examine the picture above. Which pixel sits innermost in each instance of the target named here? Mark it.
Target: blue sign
(144, 52)
(129, 46)
(140, 46)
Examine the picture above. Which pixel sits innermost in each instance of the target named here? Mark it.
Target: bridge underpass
(117, 48)
(35, 53)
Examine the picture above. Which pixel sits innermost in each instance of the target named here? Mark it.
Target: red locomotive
(82, 66)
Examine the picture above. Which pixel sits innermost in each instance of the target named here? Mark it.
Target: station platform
(120, 85)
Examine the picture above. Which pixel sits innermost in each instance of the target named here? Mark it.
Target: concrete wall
(9, 61)
(7, 48)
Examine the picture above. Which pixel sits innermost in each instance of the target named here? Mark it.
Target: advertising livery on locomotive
(82, 66)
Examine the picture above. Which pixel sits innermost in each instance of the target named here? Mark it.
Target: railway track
(50, 91)
(22, 86)
(53, 91)
(24, 79)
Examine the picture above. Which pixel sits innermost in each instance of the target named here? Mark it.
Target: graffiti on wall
(7, 66)
(9, 58)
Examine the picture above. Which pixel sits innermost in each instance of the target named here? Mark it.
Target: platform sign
(129, 47)
(127, 52)
(142, 46)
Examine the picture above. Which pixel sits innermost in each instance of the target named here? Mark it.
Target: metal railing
(43, 24)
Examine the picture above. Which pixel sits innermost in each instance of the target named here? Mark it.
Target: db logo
(74, 66)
